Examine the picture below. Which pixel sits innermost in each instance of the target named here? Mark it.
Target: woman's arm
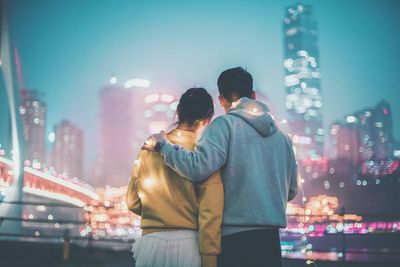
(132, 196)
(211, 205)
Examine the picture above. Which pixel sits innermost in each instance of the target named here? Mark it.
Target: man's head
(234, 84)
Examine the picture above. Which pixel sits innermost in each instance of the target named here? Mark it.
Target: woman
(180, 220)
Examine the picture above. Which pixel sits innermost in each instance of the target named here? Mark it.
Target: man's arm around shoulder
(209, 155)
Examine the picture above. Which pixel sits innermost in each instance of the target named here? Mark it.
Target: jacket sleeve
(211, 205)
(294, 182)
(132, 197)
(208, 156)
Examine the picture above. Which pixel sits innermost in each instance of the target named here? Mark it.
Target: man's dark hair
(195, 104)
(235, 82)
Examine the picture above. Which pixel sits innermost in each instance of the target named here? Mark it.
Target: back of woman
(179, 219)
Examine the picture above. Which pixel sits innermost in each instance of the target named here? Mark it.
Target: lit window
(148, 113)
(351, 119)
(288, 63)
(113, 80)
(291, 80)
(303, 53)
(174, 105)
(152, 98)
(167, 98)
(137, 83)
(292, 31)
(317, 104)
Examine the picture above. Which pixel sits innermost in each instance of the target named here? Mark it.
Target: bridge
(48, 184)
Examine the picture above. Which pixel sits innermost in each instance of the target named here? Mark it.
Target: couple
(234, 181)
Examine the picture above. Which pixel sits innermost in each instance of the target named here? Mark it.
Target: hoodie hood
(256, 114)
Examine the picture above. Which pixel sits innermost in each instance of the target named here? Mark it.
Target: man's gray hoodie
(259, 170)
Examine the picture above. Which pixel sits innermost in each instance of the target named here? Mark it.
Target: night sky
(70, 48)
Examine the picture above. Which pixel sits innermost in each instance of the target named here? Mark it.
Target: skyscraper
(302, 81)
(345, 141)
(129, 115)
(382, 131)
(116, 134)
(159, 110)
(364, 135)
(67, 152)
(33, 114)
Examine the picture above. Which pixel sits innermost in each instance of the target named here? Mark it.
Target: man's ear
(224, 103)
(222, 100)
(253, 95)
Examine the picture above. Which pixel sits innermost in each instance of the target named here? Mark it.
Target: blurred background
(84, 83)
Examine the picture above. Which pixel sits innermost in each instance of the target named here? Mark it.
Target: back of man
(258, 169)
(259, 176)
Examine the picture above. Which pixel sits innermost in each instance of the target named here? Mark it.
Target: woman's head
(195, 106)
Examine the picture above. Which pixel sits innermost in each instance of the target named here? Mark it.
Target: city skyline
(84, 83)
(75, 76)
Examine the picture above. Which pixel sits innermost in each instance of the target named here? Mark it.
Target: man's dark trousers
(253, 248)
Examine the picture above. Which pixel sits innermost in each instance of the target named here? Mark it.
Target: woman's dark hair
(236, 81)
(195, 104)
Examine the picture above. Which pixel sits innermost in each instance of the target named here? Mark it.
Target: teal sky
(69, 49)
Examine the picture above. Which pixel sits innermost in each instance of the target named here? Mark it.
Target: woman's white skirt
(167, 249)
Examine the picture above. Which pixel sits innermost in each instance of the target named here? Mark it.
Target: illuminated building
(116, 133)
(344, 139)
(302, 81)
(363, 121)
(129, 114)
(376, 132)
(382, 131)
(33, 115)
(396, 150)
(313, 169)
(159, 110)
(365, 135)
(110, 215)
(67, 151)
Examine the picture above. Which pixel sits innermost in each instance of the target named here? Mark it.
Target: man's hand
(153, 139)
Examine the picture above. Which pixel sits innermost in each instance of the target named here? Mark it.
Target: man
(259, 171)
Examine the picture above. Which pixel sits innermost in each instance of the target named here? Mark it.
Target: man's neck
(187, 127)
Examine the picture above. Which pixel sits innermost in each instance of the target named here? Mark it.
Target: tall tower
(33, 115)
(302, 81)
(68, 149)
(382, 131)
(128, 115)
(116, 134)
